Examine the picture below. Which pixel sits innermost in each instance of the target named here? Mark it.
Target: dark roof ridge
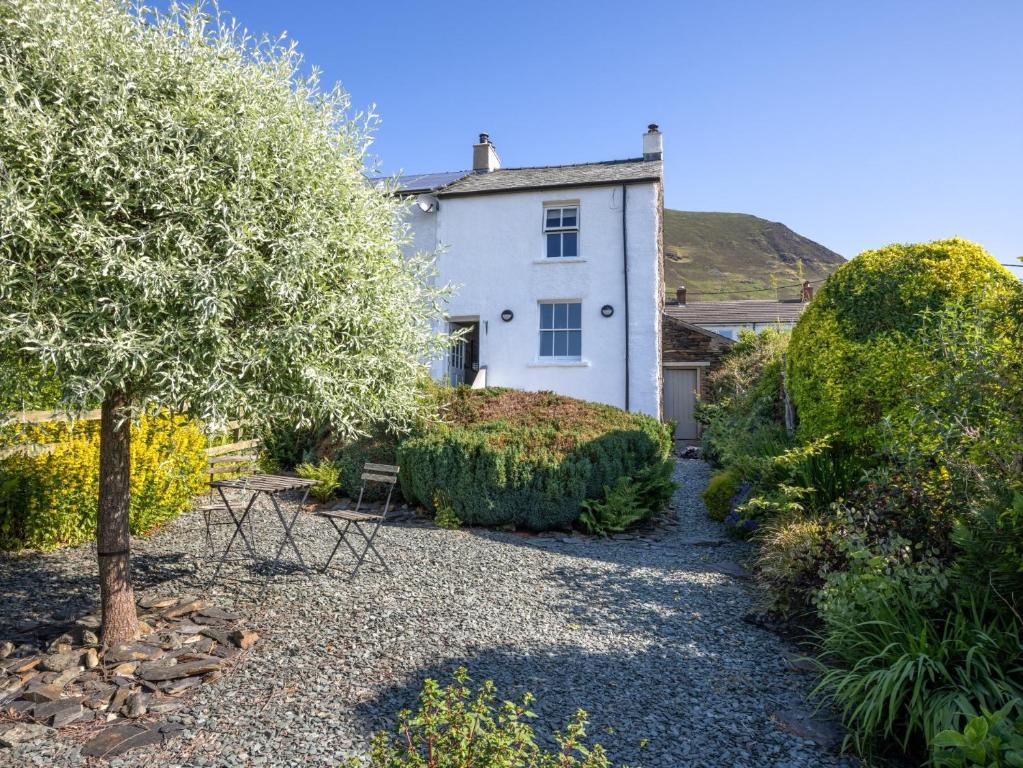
(573, 165)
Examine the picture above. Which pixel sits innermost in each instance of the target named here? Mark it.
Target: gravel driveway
(644, 632)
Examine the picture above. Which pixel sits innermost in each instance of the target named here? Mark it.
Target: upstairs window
(561, 333)
(561, 228)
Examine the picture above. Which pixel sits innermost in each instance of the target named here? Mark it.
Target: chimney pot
(484, 155)
(680, 295)
(653, 143)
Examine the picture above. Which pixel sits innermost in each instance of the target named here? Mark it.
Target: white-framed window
(561, 330)
(561, 231)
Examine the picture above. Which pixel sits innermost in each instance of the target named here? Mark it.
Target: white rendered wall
(492, 250)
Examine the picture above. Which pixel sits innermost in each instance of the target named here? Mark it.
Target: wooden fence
(215, 453)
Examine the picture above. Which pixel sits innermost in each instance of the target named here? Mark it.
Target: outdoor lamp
(507, 315)
(607, 310)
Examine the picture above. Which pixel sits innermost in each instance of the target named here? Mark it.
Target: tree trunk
(120, 622)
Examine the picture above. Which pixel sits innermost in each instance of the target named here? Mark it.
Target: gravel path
(644, 632)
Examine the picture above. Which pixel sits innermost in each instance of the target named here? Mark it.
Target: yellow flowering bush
(49, 500)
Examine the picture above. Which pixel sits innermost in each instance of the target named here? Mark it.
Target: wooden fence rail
(46, 417)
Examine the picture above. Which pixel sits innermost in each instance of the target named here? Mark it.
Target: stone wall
(685, 343)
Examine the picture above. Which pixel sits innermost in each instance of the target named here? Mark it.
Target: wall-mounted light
(607, 310)
(507, 315)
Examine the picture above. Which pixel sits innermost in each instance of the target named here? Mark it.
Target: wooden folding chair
(365, 525)
(236, 459)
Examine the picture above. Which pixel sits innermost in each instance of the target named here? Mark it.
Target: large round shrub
(857, 349)
(504, 457)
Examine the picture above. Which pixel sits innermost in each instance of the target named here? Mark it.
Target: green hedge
(524, 459)
(856, 351)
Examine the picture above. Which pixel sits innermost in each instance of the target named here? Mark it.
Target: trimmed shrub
(856, 351)
(351, 458)
(50, 499)
(718, 495)
(525, 459)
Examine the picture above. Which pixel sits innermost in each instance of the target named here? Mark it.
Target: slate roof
(550, 176)
(736, 312)
(422, 182)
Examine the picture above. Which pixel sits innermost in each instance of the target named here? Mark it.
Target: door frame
(475, 344)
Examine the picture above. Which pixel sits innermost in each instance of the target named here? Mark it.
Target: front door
(680, 387)
(464, 357)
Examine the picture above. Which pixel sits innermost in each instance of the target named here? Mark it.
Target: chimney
(807, 292)
(484, 156)
(680, 295)
(653, 143)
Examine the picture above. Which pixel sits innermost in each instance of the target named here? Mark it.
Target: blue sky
(855, 123)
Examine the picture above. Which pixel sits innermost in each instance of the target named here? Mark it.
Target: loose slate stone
(177, 687)
(133, 652)
(213, 612)
(24, 665)
(135, 706)
(60, 712)
(219, 635)
(127, 669)
(118, 739)
(158, 664)
(120, 696)
(177, 671)
(21, 706)
(43, 693)
(91, 621)
(98, 699)
(6, 649)
(88, 637)
(65, 677)
(184, 608)
(90, 659)
(244, 638)
(157, 602)
(12, 734)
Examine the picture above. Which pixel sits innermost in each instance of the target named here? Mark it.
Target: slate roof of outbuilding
(736, 312)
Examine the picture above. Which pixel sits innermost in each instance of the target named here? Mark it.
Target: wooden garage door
(680, 400)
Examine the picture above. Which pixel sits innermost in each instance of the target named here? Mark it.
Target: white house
(557, 271)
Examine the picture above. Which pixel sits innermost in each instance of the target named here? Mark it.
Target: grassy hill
(720, 256)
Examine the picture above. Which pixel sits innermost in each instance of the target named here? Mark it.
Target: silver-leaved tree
(185, 224)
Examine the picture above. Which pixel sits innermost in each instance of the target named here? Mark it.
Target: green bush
(630, 500)
(989, 740)
(379, 448)
(285, 446)
(49, 500)
(454, 727)
(526, 459)
(903, 664)
(857, 350)
(746, 414)
(327, 476)
(789, 561)
(719, 493)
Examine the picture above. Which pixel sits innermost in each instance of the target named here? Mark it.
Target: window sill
(560, 260)
(559, 364)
